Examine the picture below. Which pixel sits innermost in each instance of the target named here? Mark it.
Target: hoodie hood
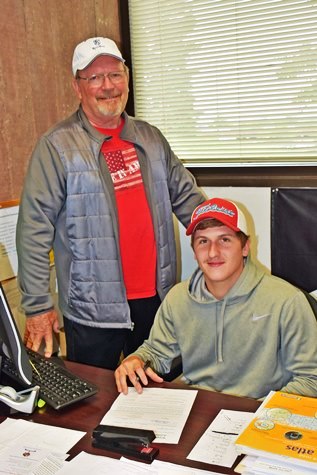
(248, 280)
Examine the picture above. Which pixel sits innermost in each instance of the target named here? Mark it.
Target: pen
(146, 365)
(224, 433)
(33, 366)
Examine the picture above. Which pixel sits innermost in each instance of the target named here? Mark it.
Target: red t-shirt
(137, 240)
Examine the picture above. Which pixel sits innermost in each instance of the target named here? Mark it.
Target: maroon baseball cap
(227, 212)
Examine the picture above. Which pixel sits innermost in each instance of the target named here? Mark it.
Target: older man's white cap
(87, 51)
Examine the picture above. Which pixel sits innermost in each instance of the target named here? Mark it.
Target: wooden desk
(86, 415)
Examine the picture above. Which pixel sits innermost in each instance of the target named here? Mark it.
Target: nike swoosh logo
(255, 318)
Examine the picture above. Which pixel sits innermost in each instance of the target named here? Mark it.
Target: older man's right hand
(134, 368)
(39, 327)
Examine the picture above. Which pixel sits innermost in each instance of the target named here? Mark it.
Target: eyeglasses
(97, 80)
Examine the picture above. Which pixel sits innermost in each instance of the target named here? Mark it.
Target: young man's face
(219, 254)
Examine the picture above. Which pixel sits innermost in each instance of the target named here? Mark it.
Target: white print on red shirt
(124, 167)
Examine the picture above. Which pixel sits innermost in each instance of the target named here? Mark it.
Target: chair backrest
(294, 221)
(312, 301)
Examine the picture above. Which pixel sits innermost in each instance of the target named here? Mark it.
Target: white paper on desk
(165, 411)
(167, 468)
(41, 436)
(266, 466)
(216, 446)
(98, 465)
(85, 463)
(25, 459)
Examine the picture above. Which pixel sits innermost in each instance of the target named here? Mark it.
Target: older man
(101, 190)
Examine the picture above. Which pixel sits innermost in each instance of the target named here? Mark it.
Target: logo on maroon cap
(216, 208)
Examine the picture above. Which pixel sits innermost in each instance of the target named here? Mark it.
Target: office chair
(312, 301)
(175, 371)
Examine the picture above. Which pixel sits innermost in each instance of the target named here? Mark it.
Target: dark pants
(103, 346)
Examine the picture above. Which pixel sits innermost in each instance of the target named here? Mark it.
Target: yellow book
(284, 425)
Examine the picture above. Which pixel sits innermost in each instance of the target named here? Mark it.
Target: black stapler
(126, 441)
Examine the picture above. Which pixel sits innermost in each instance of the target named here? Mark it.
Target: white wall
(256, 204)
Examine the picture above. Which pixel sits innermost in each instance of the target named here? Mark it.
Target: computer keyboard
(58, 386)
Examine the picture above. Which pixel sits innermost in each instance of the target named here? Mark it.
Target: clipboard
(9, 211)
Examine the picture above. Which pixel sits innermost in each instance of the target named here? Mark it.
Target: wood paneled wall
(37, 40)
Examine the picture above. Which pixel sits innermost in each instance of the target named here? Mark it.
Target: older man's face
(103, 104)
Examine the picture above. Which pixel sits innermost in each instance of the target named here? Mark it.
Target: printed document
(19, 431)
(165, 411)
(266, 466)
(85, 463)
(216, 446)
(27, 447)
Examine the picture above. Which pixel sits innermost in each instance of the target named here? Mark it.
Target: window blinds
(228, 80)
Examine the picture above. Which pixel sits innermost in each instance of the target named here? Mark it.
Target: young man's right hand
(134, 368)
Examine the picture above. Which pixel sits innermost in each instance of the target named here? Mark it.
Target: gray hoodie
(261, 336)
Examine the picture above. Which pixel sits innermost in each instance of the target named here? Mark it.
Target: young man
(101, 190)
(238, 330)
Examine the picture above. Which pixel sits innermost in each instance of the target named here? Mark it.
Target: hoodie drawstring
(221, 324)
